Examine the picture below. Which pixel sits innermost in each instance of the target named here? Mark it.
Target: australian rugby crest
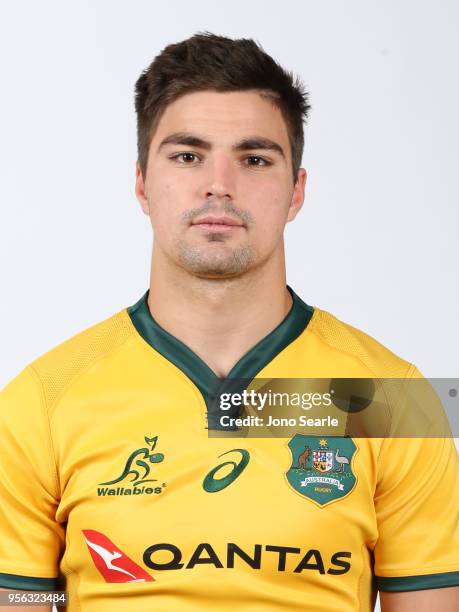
(321, 468)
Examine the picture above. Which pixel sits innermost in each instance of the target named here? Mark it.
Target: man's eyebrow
(245, 144)
(258, 142)
(185, 138)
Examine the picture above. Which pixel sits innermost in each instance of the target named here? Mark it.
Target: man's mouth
(218, 224)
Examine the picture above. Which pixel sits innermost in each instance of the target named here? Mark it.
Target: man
(110, 478)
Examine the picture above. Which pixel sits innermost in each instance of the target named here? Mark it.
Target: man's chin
(217, 266)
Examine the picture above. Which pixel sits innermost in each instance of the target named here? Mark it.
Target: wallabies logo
(136, 473)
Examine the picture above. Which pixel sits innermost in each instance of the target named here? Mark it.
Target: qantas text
(286, 558)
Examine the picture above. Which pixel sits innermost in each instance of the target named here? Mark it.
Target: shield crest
(322, 461)
(322, 468)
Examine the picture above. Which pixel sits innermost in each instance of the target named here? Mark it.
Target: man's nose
(219, 178)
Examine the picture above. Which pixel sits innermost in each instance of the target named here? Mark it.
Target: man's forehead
(243, 113)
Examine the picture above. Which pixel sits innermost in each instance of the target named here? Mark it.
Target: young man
(109, 478)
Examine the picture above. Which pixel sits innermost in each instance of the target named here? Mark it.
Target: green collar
(264, 351)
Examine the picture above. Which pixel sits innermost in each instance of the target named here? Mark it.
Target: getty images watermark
(357, 407)
(270, 400)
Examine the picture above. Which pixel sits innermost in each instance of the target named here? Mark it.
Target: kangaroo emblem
(138, 459)
(303, 458)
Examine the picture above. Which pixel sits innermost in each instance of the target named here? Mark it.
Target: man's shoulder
(342, 337)
(58, 366)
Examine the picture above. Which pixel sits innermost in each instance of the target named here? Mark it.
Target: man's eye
(185, 158)
(257, 161)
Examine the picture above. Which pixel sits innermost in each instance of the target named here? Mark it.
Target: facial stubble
(205, 261)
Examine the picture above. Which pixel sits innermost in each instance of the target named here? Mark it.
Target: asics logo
(212, 484)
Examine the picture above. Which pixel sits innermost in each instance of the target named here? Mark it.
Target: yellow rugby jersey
(112, 489)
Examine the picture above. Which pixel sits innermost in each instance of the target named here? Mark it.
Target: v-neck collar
(247, 367)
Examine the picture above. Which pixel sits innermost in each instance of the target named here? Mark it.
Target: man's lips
(218, 224)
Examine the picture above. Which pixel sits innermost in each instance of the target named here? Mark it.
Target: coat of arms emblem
(321, 469)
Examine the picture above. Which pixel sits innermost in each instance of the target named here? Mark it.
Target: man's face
(218, 187)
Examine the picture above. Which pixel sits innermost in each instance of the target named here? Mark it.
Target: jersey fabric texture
(112, 489)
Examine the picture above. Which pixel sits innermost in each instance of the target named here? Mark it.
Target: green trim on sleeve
(13, 581)
(418, 583)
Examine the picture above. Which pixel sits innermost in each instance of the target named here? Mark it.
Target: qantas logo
(116, 566)
(113, 563)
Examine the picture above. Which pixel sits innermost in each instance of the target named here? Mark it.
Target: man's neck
(220, 320)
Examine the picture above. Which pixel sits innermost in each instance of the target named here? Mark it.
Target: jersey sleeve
(31, 540)
(417, 512)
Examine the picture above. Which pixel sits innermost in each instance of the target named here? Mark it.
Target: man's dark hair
(210, 62)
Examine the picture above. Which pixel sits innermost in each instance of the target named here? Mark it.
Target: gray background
(376, 241)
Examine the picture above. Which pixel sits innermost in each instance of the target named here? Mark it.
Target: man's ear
(298, 195)
(140, 190)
